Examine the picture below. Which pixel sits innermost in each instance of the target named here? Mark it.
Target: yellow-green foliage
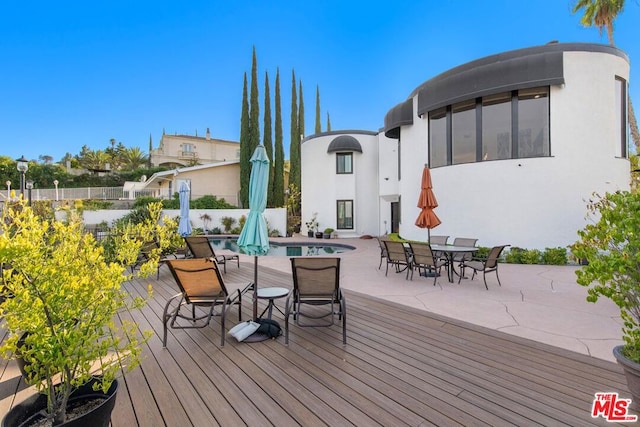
(62, 292)
(611, 245)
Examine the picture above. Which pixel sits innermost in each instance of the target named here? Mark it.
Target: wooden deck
(401, 366)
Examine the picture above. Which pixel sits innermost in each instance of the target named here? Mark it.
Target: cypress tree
(150, 150)
(318, 128)
(294, 146)
(328, 123)
(268, 143)
(278, 174)
(254, 111)
(301, 131)
(245, 149)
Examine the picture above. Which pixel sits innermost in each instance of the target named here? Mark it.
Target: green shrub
(555, 256)
(514, 255)
(94, 205)
(531, 256)
(143, 201)
(210, 202)
(228, 222)
(482, 252)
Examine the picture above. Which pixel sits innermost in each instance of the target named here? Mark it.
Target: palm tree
(601, 14)
(133, 158)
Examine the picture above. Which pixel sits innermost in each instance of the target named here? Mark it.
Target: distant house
(517, 143)
(220, 179)
(187, 150)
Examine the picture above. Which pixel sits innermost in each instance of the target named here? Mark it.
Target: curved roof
(400, 115)
(512, 70)
(344, 143)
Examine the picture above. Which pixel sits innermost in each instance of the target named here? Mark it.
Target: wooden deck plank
(401, 366)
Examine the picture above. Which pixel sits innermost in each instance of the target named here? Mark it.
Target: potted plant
(63, 294)
(610, 245)
(312, 224)
(206, 220)
(327, 232)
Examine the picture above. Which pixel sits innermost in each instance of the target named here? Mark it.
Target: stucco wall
(531, 202)
(223, 181)
(276, 217)
(538, 202)
(322, 187)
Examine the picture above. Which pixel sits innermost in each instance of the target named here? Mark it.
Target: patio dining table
(449, 252)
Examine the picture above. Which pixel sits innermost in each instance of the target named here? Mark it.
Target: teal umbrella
(254, 238)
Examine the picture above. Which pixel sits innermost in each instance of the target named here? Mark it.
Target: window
(344, 163)
(508, 125)
(496, 127)
(622, 135)
(463, 117)
(345, 214)
(438, 138)
(533, 122)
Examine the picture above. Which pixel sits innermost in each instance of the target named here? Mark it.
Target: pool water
(287, 249)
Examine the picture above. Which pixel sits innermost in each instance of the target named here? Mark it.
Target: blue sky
(80, 73)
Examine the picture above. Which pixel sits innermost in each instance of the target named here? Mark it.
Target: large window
(533, 122)
(344, 163)
(496, 127)
(463, 119)
(438, 138)
(345, 214)
(507, 125)
(622, 131)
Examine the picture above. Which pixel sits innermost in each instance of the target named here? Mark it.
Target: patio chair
(316, 282)
(438, 240)
(201, 285)
(200, 247)
(424, 259)
(145, 252)
(398, 256)
(383, 251)
(486, 265)
(463, 256)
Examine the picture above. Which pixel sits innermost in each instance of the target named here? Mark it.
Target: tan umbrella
(427, 203)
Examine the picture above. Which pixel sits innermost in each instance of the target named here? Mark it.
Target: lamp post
(29, 188)
(8, 190)
(55, 184)
(22, 166)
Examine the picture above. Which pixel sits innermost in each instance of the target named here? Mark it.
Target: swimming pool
(287, 249)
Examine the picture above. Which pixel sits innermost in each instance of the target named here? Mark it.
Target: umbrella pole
(255, 288)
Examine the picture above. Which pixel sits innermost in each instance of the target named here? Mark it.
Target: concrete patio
(539, 302)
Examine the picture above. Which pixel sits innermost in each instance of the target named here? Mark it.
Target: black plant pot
(30, 410)
(309, 233)
(632, 374)
(319, 234)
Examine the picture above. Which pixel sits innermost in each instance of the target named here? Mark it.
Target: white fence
(100, 193)
(276, 217)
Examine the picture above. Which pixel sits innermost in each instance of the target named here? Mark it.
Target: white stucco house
(516, 143)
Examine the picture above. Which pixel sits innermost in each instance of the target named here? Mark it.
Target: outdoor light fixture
(22, 166)
(29, 186)
(8, 190)
(55, 184)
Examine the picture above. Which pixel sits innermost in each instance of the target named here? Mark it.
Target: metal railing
(102, 193)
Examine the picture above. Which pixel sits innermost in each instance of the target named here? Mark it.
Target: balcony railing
(103, 193)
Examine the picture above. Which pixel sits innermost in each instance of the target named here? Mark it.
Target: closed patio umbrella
(254, 238)
(184, 227)
(427, 203)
